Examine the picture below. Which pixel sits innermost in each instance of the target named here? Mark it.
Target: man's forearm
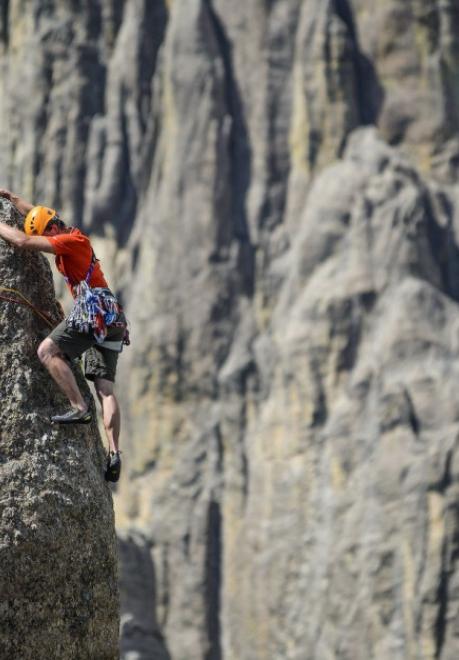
(20, 239)
(21, 204)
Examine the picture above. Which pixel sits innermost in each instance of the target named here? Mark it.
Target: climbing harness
(24, 301)
(95, 309)
(116, 346)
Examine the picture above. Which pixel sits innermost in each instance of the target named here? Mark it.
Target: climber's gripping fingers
(21, 204)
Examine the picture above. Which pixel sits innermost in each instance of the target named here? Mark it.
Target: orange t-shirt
(73, 258)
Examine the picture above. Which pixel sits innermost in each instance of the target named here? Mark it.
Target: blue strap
(91, 268)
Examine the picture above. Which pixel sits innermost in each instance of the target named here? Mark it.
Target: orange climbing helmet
(37, 220)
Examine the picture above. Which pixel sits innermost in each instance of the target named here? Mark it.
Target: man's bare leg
(110, 411)
(51, 357)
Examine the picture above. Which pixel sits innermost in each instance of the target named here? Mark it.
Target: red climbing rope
(23, 301)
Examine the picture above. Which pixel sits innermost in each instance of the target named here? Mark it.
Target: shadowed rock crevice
(213, 579)
(449, 555)
(281, 25)
(369, 92)
(90, 94)
(412, 417)
(442, 237)
(240, 159)
(114, 14)
(4, 22)
(140, 633)
(448, 46)
(440, 622)
(341, 88)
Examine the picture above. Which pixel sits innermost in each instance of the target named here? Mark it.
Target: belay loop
(94, 309)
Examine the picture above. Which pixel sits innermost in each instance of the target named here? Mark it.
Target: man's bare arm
(21, 240)
(21, 204)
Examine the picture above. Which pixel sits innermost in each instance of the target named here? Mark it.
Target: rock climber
(96, 326)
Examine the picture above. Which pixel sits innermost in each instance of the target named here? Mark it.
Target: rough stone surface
(348, 523)
(58, 579)
(274, 188)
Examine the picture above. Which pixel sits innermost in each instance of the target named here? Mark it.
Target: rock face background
(273, 187)
(58, 579)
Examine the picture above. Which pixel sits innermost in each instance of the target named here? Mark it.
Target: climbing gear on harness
(73, 416)
(113, 467)
(37, 220)
(94, 308)
(24, 301)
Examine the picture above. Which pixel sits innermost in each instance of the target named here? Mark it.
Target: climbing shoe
(113, 468)
(73, 416)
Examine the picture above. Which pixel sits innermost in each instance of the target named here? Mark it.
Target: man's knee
(108, 402)
(104, 387)
(47, 349)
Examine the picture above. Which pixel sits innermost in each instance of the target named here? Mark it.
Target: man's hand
(22, 206)
(5, 193)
